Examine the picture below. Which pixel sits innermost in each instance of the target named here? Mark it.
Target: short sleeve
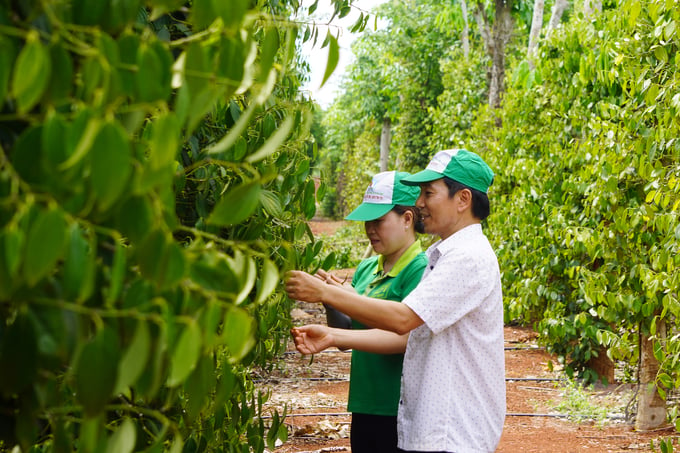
(456, 285)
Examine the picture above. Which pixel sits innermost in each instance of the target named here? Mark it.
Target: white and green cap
(385, 192)
(460, 165)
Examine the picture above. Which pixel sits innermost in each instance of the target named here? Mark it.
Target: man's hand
(312, 338)
(302, 286)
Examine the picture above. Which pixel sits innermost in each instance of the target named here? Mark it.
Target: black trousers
(373, 433)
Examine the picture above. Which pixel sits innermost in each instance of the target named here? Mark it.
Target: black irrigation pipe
(524, 348)
(510, 379)
(286, 380)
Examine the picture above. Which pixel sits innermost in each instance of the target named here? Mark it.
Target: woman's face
(391, 233)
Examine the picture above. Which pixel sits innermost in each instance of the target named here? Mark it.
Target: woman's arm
(314, 338)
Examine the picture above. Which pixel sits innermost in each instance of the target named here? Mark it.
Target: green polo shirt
(375, 379)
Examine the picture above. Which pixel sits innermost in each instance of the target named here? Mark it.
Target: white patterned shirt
(453, 381)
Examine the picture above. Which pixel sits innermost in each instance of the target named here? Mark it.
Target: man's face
(439, 212)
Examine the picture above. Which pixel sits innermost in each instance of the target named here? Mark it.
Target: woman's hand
(328, 278)
(312, 338)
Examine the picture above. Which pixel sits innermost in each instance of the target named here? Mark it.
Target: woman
(391, 222)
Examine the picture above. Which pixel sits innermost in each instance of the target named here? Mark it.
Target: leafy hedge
(587, 186)
(154, 183)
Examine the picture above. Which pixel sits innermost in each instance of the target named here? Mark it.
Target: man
(453, 386)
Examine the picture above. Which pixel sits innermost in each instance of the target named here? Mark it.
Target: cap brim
(368, 211)
(421, 177)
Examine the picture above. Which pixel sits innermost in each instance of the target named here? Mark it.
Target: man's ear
(465, 197)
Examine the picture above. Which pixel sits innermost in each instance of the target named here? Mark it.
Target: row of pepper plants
(155, 183)
(588, 188)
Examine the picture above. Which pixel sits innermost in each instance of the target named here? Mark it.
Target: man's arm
(315, 338)
(377, 313)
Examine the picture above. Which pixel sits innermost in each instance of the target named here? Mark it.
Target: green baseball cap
(383, 194)
(460, 165)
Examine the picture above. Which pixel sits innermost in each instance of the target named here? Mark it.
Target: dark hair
(480, 200)
(418, 224)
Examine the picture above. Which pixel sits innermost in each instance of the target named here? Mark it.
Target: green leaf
(196, 68)
(96, 371)
(212, 271)
(271, 203)
(164, 142)
(149, 74)
(237, 334)
(128, 45)
(117, 273)
(79, 266)
(175, 266)
(93, 76)
(269, 278)
(211, 317)
(270, 47)
(240, 148)
(91, 433)
(198, 386)
(135, 218)
(7, 54)
(309, 201)
(185, 355)
(226, 383)
(329, 261)
(31, 73)
(45, 245)
(161, 260)
(123, 439)
(134, 361)
(18, 355)
(87, 13)
(14, 240)
(111, 164)
(85, 140)
(243, 267)
(202, 14)
(273, 142)
(333, 57)
(232, 12)
(54, 135)
(236, 205)
(230, 63)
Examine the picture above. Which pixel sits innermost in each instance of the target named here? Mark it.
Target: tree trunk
(556, 15)
(651, 412)
(485, 32)
(465, 38)
(385, 140)
(603, 366)
(502, 31)
(535, 33)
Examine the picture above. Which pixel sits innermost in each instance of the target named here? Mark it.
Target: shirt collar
(403, 260)
(445, 245)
